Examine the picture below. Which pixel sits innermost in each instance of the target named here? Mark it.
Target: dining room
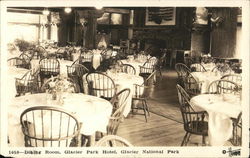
(79, 76)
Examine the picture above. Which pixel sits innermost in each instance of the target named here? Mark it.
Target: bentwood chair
(191, 85)
(48, 126)
(193, 121)
(129, 69)
(67, 84)
(49, 67)
(76, 72)
(113, 141)
(118, 102)
(182, 71)
(197, 67)
(101, 85)
(141, 94)
(18, 62)
(29, 83)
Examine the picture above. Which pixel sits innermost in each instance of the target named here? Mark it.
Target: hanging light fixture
(67, 9)
(46, 11)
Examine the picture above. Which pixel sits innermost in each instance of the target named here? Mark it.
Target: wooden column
(223, 35)
(89, 35)
(91, 31)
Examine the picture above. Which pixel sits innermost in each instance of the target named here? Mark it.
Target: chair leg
(203, 140)
(189, 134)
(145, 102)
(184, 139)
(160, 73)
(145, 111)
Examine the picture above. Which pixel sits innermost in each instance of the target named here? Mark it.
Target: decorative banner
(160, 16)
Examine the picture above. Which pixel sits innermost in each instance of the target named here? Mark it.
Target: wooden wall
(173, 36)
(223, 36)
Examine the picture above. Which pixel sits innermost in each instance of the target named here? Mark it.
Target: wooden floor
(164, 126)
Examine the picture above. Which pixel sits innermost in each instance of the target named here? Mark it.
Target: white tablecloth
(95, 57)
(220, 109)
(13, 73)
(135, 63)
(206, 78)
(51, 50)
(122, 81)
(92, 111)
(63, 65)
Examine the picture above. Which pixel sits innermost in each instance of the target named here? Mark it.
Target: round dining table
(91, 111)
(221, 108)
(122, 81)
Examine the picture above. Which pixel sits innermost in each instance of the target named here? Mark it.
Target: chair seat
(198, 127)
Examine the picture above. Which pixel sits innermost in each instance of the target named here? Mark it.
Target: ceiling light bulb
(98, 6)
(46, 12)
(67, 10)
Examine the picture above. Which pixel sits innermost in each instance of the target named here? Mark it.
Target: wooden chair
(233, 77)
(61, 53)
(188, 61)
(129, 69)
(86, 60)
(26, 57)
(40, 52)
(197, 67)
(101, 85)
(223, 86)
(69, 52)
(182, 71)
(113, 141)
(141, 93)
(48, 68)
(194, 122)
(75, 87)
(191, 85)
(47, 126)
(222, 68)
(18, 62)
(118, 102)
(29, 83)
(161, 63)
(76, 72)
(86, 56)
(236, 140)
